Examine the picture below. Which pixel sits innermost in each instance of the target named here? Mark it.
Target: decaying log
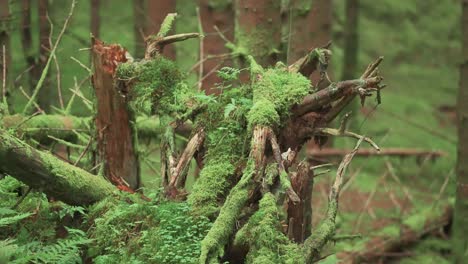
(384, 241)
(115, 134)
(42, 171)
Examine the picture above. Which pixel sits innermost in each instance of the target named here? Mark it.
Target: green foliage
(144, 232)
(28, 233)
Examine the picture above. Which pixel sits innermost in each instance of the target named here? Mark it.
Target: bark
(139, 27)
(42, 171)
(460, 223)
(158, 9)
(95, 17)
(221, 15)
(43, 97)
(386, 240)
(113, 119)
(258, 29)
(4, 48)
(300, 214)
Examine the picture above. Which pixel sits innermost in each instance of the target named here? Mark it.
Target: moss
(211, 185)
(156, 86)
(225, 142)
(167, 24)
(126, 230)
(212, 245)
(40, 127)
(54, 176)
(267, 243)
(276, 91)
(263, 113)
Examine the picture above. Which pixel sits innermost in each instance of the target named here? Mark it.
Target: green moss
(263, 113)
(225, 142)
(167, 24)
(263, 235)
(274, 92)
(157, 86)
(53, 176)
(211, 185)
(212, 246)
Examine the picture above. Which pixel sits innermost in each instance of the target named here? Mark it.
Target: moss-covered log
(45, 172)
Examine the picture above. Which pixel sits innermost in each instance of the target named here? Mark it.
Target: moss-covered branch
(40, 127)
(326, 229)
(45, 172)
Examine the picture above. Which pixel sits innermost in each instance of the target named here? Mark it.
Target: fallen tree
(245, 142)
(43, 171)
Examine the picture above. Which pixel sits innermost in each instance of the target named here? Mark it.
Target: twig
(29, 98)
(335, 132)
(81, 64)
(57, 67)
(52, 53)
(326, 230)
(84, 152)
(200, 69)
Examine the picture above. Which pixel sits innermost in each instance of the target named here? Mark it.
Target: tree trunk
(113, 120)
(258, 29)
(158, 9)
(460, 222)
(26, 40)
(221, 15)
(43, 97)
(5, 50)
(310, 27)
(351, 40)
(43, 171)
(139, 27)
(95, 18)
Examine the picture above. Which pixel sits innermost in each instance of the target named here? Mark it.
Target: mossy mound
(156, 86)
